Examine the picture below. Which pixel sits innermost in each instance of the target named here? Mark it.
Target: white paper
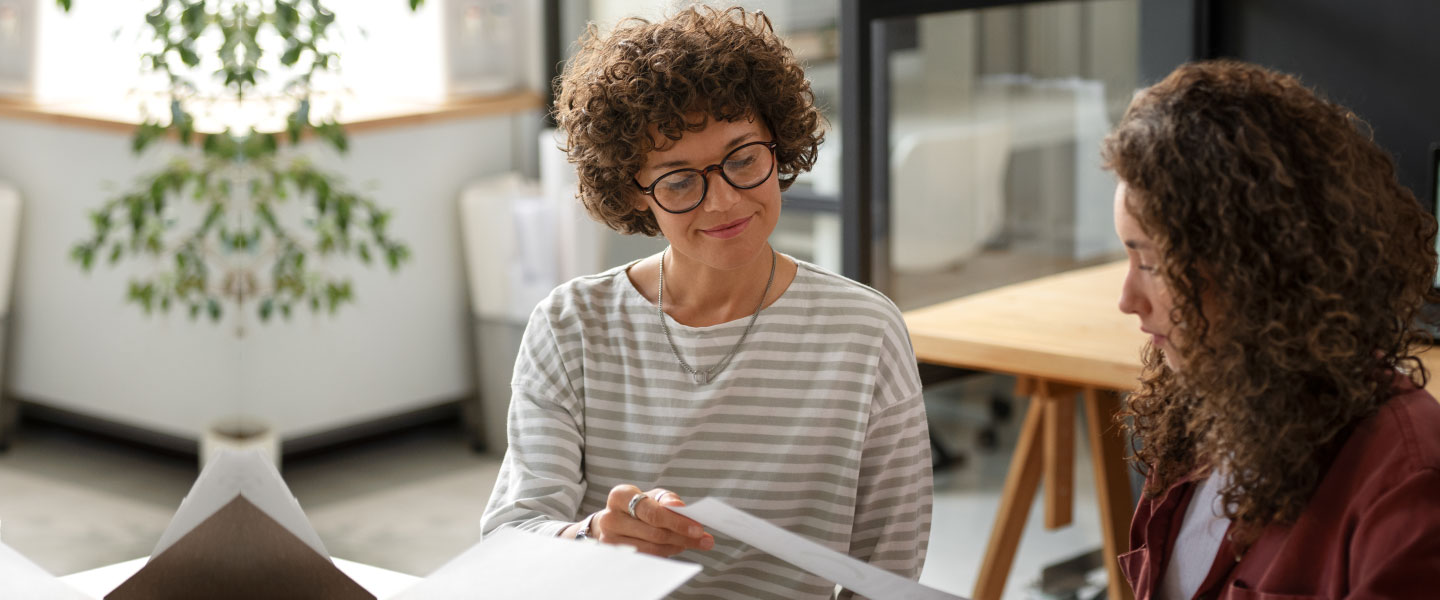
(517, 564)
(100, 581)
(240, 473)
(20, 578)
(854, 575)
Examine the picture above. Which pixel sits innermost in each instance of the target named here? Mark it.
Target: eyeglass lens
(745, 167)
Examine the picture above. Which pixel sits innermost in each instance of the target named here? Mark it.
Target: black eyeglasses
(682, 190)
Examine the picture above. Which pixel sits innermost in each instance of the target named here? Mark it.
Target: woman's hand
(654, 529)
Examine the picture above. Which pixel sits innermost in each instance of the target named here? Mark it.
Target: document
(517, 564)
(20, 578)
(854, 575)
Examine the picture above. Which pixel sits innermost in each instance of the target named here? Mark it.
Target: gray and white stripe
(817, 425)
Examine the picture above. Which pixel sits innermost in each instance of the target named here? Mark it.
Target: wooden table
(1062, 336)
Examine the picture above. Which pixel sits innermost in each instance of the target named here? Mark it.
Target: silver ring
(633, 501)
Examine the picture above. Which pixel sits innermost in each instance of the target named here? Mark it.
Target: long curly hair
(727, 65)
(1277, 207)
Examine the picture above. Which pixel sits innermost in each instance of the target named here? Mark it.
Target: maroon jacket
(1372, 529)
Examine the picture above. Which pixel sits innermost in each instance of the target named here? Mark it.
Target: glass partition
(995, 120)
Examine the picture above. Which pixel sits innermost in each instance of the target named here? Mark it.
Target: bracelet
(584, 532)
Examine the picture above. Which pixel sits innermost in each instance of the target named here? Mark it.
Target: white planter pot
(240, 433)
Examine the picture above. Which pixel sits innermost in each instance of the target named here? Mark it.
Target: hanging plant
(241, 218)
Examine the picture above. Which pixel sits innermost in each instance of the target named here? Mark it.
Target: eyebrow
(1136, 245)
(680, 163)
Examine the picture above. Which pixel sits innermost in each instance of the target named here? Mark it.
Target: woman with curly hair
(1281, 269)
(718, 367)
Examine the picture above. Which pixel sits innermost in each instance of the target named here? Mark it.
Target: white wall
(404, 344)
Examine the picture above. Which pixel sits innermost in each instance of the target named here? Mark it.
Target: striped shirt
(816, 425)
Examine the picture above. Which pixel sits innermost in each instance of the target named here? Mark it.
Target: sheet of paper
(516, 564)
(245, 473)
(20, 578)
(854, 575)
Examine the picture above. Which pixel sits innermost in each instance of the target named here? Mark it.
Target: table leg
(1059, 401)
(1021, 484)
(1112, 485)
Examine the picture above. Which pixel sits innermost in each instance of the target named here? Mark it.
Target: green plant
(239, 193)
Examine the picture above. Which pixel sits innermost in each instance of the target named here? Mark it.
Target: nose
(721, 196)
(1133, 300)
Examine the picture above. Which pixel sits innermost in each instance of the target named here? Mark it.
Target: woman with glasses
(1280, 270)
(719, 367)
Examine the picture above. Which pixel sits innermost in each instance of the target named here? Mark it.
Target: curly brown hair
(728, 65)
(1277, 207)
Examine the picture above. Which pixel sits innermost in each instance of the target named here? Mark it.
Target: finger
(647, 547)
(666, 497)
(657, 515)
(618, 523)
(615, 519)
(620, 496)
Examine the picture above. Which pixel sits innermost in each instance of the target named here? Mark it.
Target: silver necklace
(703, 376)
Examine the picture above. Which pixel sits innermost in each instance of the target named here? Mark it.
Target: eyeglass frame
(705, 177)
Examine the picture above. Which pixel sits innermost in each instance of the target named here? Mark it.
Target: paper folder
(239, 534)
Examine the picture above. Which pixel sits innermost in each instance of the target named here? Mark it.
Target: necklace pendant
(703, 377)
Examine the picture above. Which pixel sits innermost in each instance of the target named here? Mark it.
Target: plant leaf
(286, 18)
(188, 55)
(147, 132)
(332, 132)
(297, 121)
(193, 20)
(292, 54)
(181, 121)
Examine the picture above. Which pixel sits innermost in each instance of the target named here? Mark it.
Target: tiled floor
(412, 501)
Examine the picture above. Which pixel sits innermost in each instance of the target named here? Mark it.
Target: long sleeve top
(1370, 531)
(816, 425)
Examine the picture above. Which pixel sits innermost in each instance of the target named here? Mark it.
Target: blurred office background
(961, 156)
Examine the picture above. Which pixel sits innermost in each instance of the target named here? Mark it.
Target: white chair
(947, 194)
(9, 243)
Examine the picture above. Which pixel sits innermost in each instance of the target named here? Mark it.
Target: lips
(728, 230)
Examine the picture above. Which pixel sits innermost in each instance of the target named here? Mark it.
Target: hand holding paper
(652, 529)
